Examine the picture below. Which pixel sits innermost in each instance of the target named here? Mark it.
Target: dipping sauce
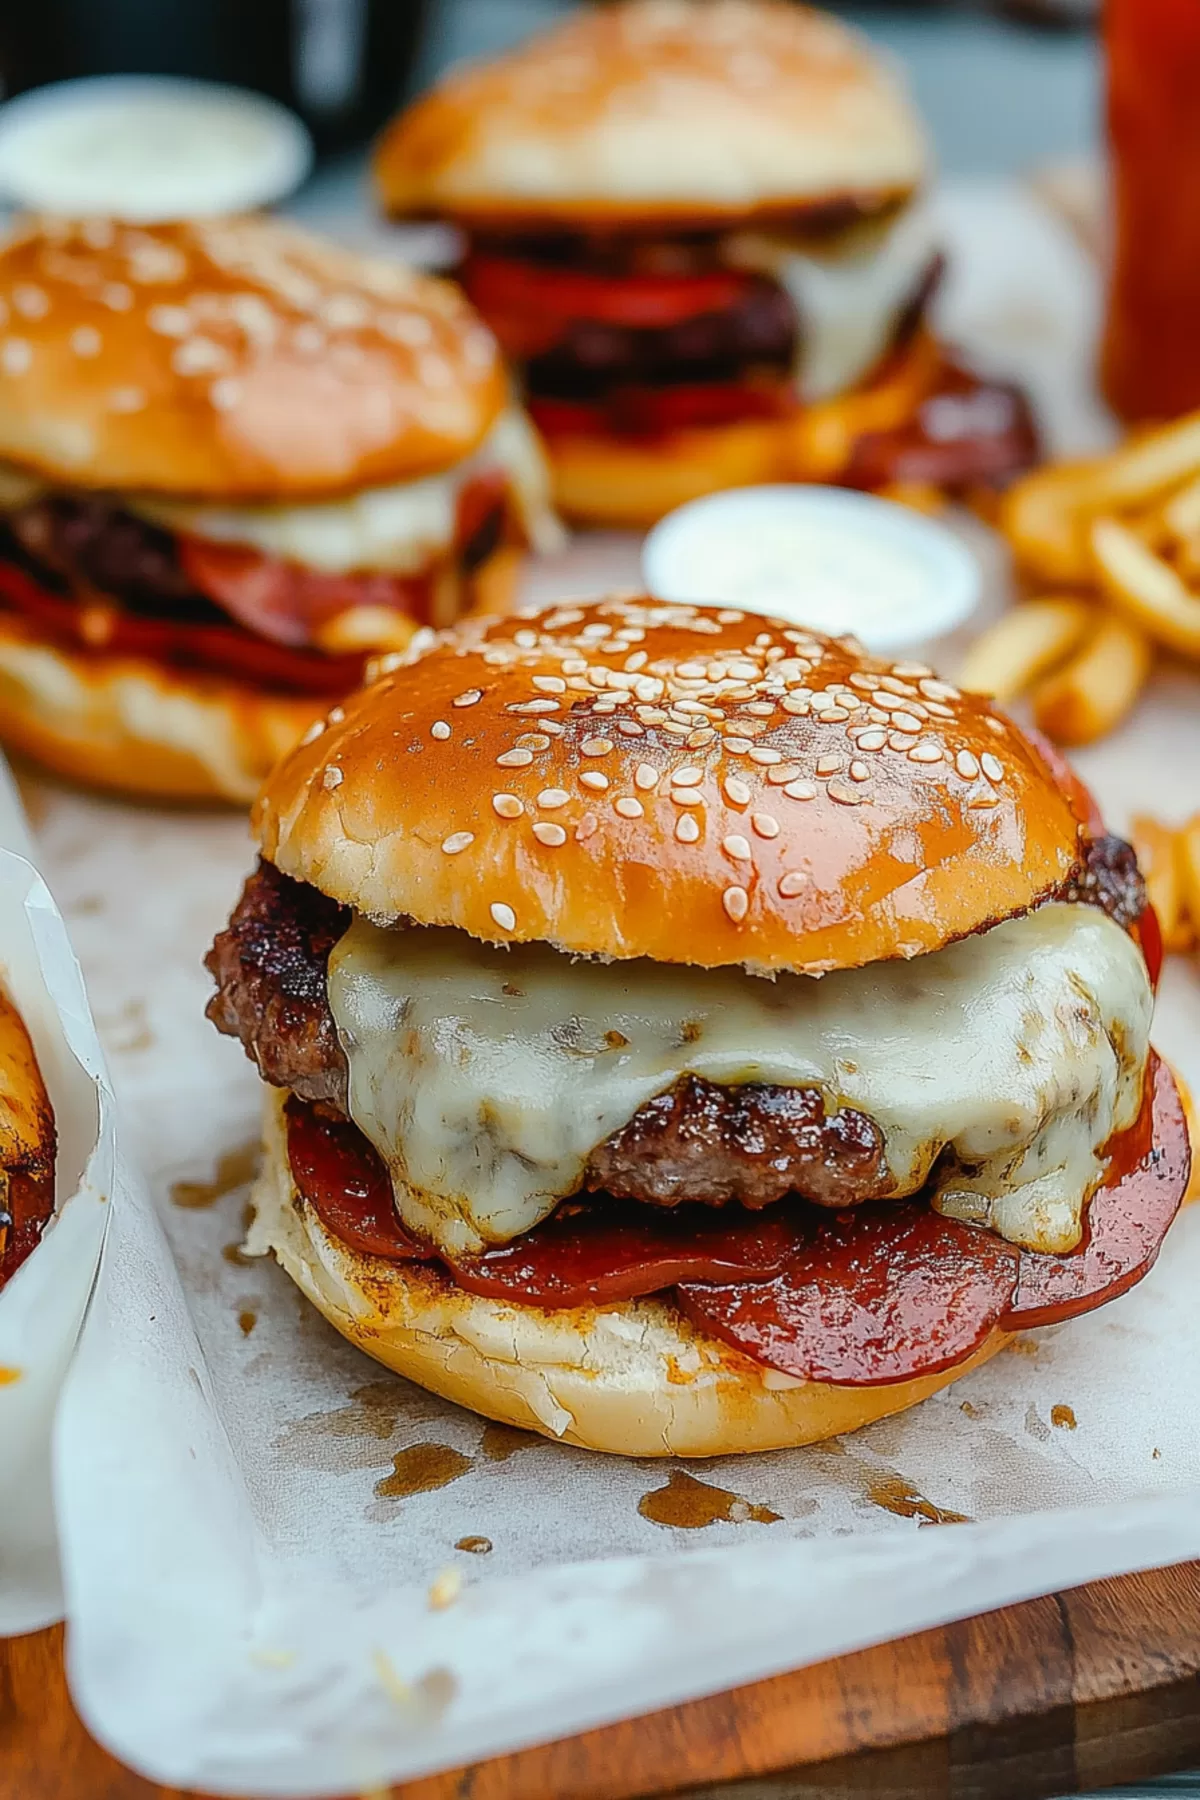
(831, 558)
(148, 147)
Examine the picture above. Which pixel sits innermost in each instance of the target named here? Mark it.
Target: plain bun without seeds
(636, 1379)
(232, 359)
(660, 111)
(628, 778)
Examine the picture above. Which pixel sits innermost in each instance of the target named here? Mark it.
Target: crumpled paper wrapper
(42, 1306)
(291, 1573)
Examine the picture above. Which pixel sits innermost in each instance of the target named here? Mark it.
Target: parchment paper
(42, 1307)
(253, 1581)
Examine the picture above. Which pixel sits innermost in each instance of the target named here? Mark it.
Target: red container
(1151, 356)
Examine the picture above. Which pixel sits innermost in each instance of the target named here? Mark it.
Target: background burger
(234, 461)
(27, 1144)
(562, 1124)
(696, 228)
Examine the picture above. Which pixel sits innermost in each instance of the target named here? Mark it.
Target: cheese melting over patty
(485, 1076)
(397, 530)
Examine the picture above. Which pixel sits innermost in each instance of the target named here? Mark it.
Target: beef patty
(700, 1142)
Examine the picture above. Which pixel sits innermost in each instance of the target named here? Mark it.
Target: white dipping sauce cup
(830, 558)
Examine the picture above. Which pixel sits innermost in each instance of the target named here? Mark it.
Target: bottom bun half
(635, 1379)
(140, 727)
(630, 481)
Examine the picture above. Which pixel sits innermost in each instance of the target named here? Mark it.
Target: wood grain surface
(1074, 1692)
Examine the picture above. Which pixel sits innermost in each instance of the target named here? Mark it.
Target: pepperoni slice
(875, 1296)
(619, 1250)
(339, 1174)
(1126, 1222)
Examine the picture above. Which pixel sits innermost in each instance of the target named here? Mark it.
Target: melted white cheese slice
(398, 529)
(485, 1076)
(849, 293)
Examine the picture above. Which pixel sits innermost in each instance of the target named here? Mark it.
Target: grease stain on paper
(499, 1442)
(690, 1505)
(477, 1546)
(234, 1169)
(420, 1469)
(894, 1494)
(1064, 1417)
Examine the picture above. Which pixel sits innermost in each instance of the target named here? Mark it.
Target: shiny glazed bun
(139, 727)
(633, 1379)
(660, 109)
(692, 784)
(232, 358)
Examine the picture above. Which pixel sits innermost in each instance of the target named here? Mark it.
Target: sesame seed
(548, 833)
(315, 730)
(925, 752)
(738, 746)
(761, 709)
(586, 827)
(117, 297)
(630, 728)
(503, 915)
(458, 840)
(859, 771)
(573, 665)
(992, 767)
(967, 765)
(979, 802)
(592, 778)
(697, 740)
(635, 662)
(333, 777)
(782, 774)
(833, 715)
(736, 902)
(912, 671)
(939, 711)
(551, 798)
(439, 729)
(800, 790)
(996, 725)
(765, 757)
(86, 341)
(336, 714)
(597, 746)
(796, 705)
(901, 740)
(225, 393)
(830, 765)
(736, 791)
(905, 721)
(524, 706)
(533, 740)
(687, 778)
(939, 690)
(687, 796)
(645, 776)
(842, 792)
(550, 684)
(675, 729)
(630, 808)
(15, 356)
(515, 759)
(526, 639)
(765, 824)
(737, 846)
(872, 739)
(687, 828)
(793, 883)
(508, 806)
(470, 698)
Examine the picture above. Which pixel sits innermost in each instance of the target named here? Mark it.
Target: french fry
(1187, 857)
(1144, 588)
(1025, 644)
(1181, 514)
(1045, 518)
(1161, 865)
(1146, 467)
(1092, 693)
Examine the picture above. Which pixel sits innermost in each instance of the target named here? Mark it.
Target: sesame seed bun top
(232, 358)
(692, 784)
(660, 109)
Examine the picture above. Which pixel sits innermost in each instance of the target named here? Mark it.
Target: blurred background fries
(1121, 534)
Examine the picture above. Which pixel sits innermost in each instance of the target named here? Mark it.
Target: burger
(685, 1034)
(234, 463)
(27, 1144)
(698, 231)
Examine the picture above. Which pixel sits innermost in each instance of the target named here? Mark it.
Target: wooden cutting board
(1073, 1692)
